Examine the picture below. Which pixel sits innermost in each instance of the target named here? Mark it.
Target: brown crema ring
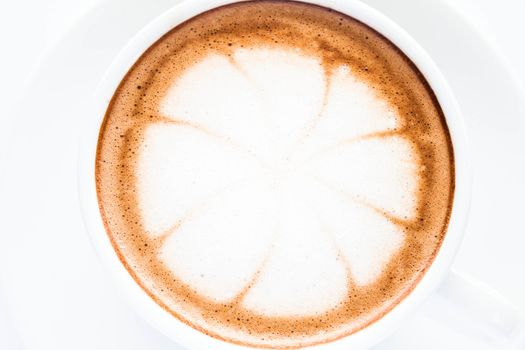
(335, 39)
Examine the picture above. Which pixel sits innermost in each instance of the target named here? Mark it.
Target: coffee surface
(275, 174)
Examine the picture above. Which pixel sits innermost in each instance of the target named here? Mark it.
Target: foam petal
(381, 172)
(219, 250)
(304, 274)
(352, 110)
(365, 238)
(291, 87)
(216, 95)
(180, 167)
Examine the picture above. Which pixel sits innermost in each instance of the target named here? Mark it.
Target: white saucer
(56, 290)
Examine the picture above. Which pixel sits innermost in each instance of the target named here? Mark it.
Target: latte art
(275, 174)
(246, 196)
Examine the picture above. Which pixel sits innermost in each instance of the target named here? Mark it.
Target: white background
(29, 29)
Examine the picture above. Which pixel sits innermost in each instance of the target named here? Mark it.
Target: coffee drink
(275, 174)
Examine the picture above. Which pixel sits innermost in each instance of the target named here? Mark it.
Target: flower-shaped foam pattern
(276, 183)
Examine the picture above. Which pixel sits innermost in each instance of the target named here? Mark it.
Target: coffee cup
(439, 269)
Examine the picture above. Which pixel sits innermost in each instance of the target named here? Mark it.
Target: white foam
(179, 168)
(290, 98)
(347, 116)
(218, 250)
(217, 95)
(304, 274)
(381, 172)
(260, 99)
(365, 239)
(279, 197)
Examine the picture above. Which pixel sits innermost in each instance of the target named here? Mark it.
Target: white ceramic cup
(495, 313)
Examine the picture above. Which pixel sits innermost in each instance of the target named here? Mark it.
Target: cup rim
(179, 331)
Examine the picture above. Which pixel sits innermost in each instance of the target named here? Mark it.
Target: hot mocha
(275, 174)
